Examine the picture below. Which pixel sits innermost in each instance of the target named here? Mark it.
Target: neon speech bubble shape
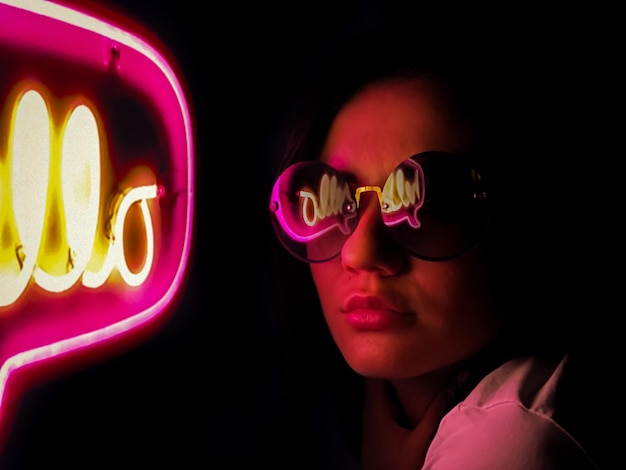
(96, 189)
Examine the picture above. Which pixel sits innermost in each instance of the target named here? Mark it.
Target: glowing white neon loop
(137, 194)
(308, 199)
(80, 183)
(115, 255)
(29, 146)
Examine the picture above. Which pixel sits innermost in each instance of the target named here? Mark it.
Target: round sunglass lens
(313, 211)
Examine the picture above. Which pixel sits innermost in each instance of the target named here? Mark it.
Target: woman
(398, 198)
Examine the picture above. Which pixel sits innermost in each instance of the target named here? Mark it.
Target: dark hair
(383, 54)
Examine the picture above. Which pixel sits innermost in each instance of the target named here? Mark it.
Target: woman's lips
(373, 314)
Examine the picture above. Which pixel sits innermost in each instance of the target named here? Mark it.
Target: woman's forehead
(388, 122)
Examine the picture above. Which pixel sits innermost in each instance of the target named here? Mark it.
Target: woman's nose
(371, 247)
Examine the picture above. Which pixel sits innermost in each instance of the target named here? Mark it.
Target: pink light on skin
(78, 202)
(366, 313)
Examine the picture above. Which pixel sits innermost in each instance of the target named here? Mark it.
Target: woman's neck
(415, 394)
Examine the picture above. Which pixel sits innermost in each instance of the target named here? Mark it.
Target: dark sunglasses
(433, 203)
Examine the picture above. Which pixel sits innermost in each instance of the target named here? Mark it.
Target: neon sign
(96, 188)
(79, 182)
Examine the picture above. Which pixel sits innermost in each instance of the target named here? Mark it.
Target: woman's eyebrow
(348, 176)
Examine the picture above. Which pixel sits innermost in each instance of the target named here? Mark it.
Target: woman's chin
(373, 365)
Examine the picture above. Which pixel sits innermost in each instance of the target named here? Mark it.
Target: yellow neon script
(399, 193)
(331, 200)
(50, 198)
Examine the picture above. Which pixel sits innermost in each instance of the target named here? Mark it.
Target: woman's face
(392, 315)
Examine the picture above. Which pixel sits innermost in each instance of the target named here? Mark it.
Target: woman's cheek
(325, 279)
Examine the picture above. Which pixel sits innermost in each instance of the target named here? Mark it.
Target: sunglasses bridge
(365, 189)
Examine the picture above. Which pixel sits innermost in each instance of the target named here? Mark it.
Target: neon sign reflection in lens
(433, 205)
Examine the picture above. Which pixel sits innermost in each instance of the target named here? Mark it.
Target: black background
(201, 389)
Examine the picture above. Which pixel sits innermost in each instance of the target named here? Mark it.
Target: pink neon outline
(21, 24)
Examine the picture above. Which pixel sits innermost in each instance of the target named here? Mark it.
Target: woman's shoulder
(516, 417)
(532, 382)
